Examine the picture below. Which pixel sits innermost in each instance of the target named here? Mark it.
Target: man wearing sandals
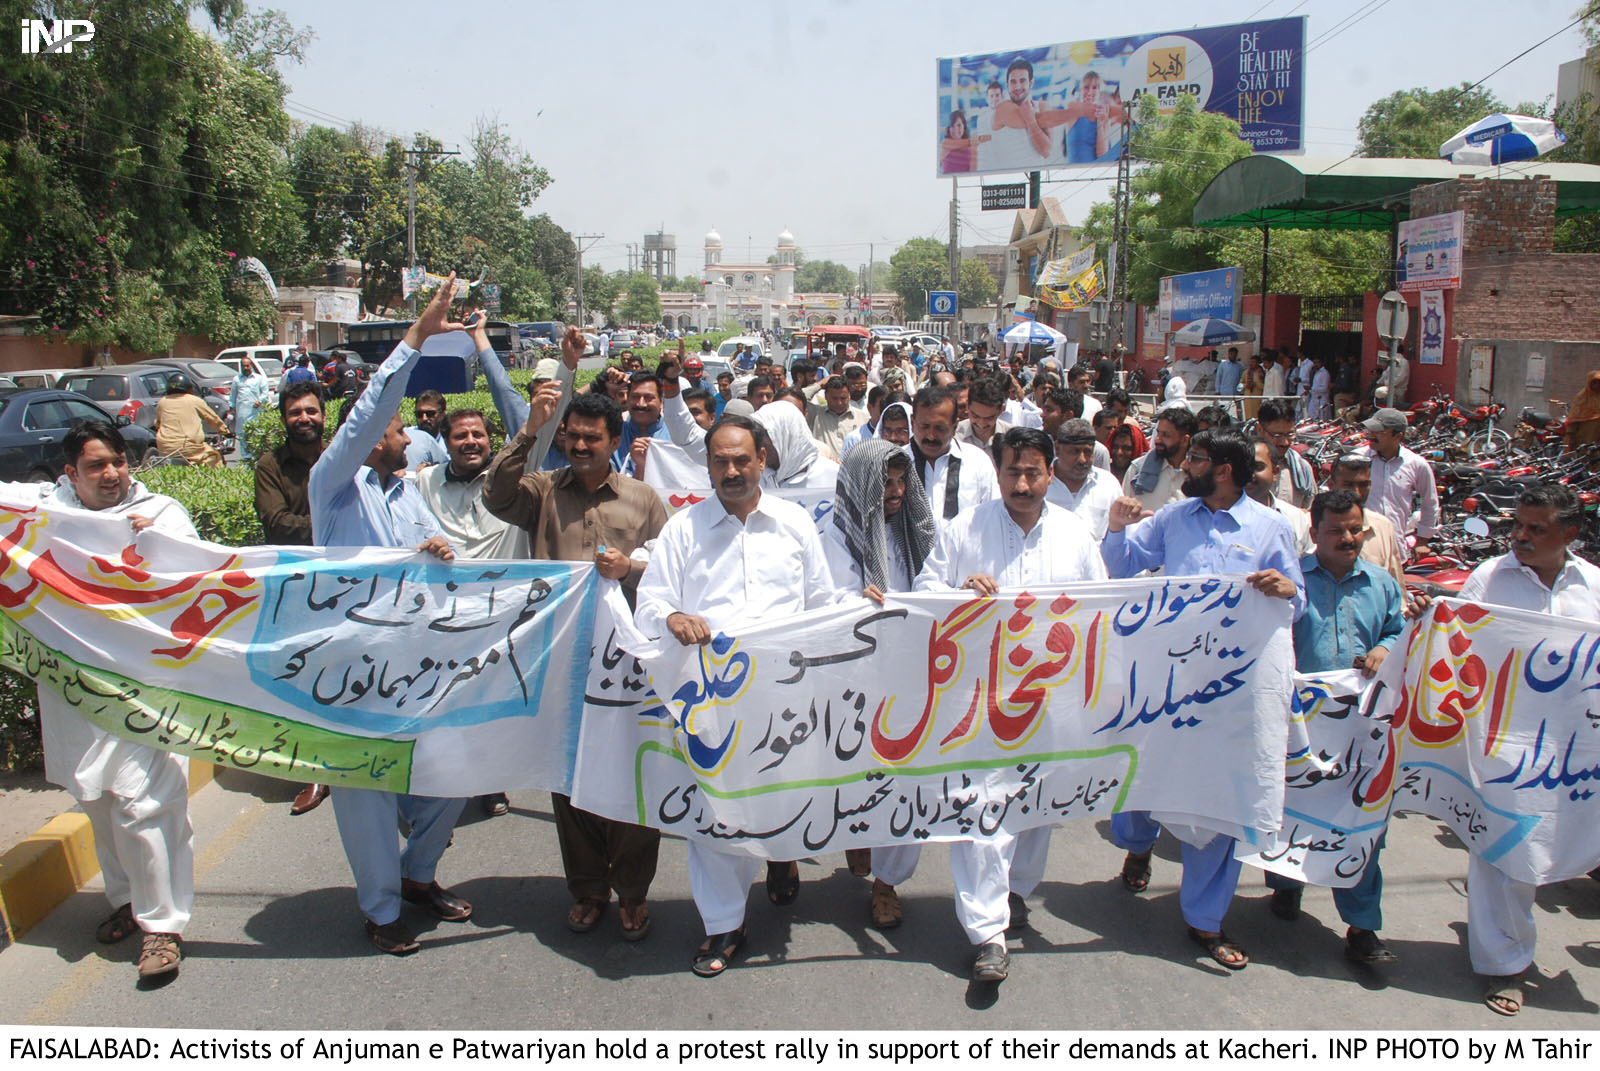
(1354, 616)
(731, 561)
(585, 512)
(1023, 540)
(136, 797)
(880, 534)
(359, 500)
(1216, 530)
(1539, 574)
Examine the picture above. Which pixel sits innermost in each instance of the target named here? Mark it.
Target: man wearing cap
(1079, 484)
(855, 378)
(1400, 477)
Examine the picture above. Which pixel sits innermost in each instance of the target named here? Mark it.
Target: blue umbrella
(1501, 138)
(1210, 331)
(1032, 333)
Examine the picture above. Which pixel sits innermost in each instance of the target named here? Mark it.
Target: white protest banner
(1484, 718)
(938, 717)
(360, 668)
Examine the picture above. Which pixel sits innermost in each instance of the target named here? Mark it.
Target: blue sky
(756, 116)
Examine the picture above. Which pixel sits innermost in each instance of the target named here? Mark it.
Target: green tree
(1415, 122)
(977, 285)
(599, 292)
(641, 302)
(922, 264)
(1179, 153)
(1309, 263)
(160, 157)
(824, 277)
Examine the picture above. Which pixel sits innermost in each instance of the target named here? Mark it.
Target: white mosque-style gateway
(762, 296)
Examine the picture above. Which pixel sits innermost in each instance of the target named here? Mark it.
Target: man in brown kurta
(281, 500)
(586, 512)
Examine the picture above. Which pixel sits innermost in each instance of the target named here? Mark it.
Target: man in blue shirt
(1352, 620)
(642, 422)
(1217, 529)
(1229, 375)
(357, 500)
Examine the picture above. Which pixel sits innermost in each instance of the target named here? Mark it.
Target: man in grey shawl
(882, 531)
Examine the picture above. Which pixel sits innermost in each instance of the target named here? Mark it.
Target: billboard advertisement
(1430, 253)
(1062, 105)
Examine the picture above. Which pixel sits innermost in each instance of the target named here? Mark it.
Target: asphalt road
(277, 943)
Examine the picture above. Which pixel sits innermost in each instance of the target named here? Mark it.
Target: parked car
(271, 367)
(281, 354)
(130, 390)
(751, 342)
(35, 422)
(215, 379)
(39, 378)
(624, 340)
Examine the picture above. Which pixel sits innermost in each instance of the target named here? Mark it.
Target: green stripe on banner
(209, 730)
(935, 770)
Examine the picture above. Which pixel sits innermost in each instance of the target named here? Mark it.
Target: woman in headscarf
(792, 454)
(881, 533)
(1583, 419)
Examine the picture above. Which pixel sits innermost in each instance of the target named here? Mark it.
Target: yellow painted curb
(39, 874)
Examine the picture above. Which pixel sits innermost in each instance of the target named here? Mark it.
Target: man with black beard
(1216, 530)
(281, 500)
(1157, 478)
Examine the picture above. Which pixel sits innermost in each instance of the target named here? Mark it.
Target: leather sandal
(117, 927)
(716, 955)
(783, 883)
(160, 954)
(1136, 871)
(1504, 995)
(1222, 948)
(885, 905)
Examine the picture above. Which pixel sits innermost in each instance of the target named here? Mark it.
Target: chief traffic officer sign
(942, 304)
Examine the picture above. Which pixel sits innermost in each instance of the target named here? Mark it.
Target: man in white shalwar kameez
(136, 797)
(1020, 540)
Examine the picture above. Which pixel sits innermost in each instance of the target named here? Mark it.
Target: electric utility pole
(577, 242)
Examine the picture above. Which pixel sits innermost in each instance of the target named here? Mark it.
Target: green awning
(1360, 193)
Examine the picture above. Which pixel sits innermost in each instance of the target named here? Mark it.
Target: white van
(272, 360)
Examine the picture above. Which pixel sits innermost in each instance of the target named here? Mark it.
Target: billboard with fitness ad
(1062, 105)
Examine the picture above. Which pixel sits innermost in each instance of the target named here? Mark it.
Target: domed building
(762, 296)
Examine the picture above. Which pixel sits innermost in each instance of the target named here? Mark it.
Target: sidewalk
(46, 848)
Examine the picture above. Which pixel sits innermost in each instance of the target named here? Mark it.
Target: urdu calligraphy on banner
(931, 717)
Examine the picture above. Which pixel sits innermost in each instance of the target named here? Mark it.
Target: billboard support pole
(1033, 189)
(1266, 244)
(1119, 250)
(955, 250)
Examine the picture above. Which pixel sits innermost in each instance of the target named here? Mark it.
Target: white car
(751, 342)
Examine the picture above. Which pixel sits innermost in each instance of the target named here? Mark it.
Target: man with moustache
(956, 475)
(585, 512)
(281, 500)
(1542, 575)
(1379, 543)
(1081, 486)
(1019, 540)
(1353, 619)
(723, 564)
(1217, 529)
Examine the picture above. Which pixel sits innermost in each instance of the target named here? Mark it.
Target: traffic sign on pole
(942, 304)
